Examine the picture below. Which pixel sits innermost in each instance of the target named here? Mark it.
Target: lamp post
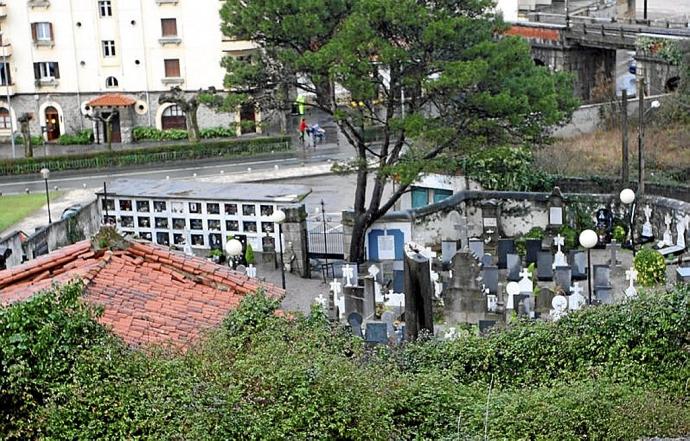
(234, 249)
(640, 136)
(627, 197)
(279, 218)
(45, 173)
(589, 239)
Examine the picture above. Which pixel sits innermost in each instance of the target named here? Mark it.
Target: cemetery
(487, 258)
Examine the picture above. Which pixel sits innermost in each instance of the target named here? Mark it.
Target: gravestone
(667, 240)
(543, 301)
(576, 300)
(559, 257)
(647, 231)
(563, 277)
(613, 248)
(491, 228)
(389, 319)
(512, 289)
(463, 299)
(532, 246)
(376, 332)
(555, 206)
(680, 230)
(560, 307)
(489, 276)
(604, 226)
(505, 247)
(461, 228)
(369, 298)
(354, 299)
(477, 248)
(544, 265)
(631, 276)
(486, 325)
(683, 275)
(578, 264)
(350, 274)
(487, 260)
(448, 250)
(418, 291)
(603, 291)
(522, 305)
(338, 300)
(514, 267)
(525, 286)
(491, 303)
(354, 319)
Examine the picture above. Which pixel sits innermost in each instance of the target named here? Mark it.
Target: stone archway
(54, 123)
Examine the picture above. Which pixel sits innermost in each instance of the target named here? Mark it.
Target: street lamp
(589, 239)
(45, 173)
(640, 135)
(234, 249)
(627, 197)
(279, 218)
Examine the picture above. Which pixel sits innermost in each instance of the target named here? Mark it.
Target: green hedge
(121, 158)
(153, 134)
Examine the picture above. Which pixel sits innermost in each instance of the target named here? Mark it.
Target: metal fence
(326, 242)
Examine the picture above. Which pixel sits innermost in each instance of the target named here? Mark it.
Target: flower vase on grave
(667, 240)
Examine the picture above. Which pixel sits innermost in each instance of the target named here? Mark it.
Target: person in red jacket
(302, 129)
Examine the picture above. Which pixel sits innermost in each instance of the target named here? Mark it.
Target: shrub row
(612, 372)
(120, 158)
(82, 138)
(153, 134)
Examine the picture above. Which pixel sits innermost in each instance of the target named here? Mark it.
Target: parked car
(71, 211)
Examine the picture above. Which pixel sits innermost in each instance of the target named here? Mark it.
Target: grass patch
(667, 154)
(14, 208)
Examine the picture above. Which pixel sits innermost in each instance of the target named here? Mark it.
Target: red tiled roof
(149, 293)
(112, 100)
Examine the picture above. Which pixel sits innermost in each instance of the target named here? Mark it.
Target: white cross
(321, 300)
(668, 220)
(647, 212)
(576, 289)
(631, 275)
(374, 271)
(559, 241)
(336, 286)
(348, 274)
(525, 274)
(251, 270)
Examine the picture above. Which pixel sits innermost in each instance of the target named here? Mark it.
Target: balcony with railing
(3, 10)
(5, 47)
(6, 90)
(38, 3)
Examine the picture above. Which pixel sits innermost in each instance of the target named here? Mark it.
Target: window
(179, 224)
(232, 225)
(161, 222)
(159, 206)
(46, 70)
(143, 206)
(163, 239)
(144, 222)
(125, 205)
(249, 210)
(195, 207)
(42, 32)
(105, 8)
(231, 209)
(108, 48)
(172, 68)
(5, 77)
(213, 208)
(111, 82)
(168, 27)
(196, 224)
(5, 119)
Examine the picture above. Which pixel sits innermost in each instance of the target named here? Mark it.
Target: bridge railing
(554, 18)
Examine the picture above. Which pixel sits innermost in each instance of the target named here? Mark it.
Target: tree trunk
(109, 134)
(192, 125)
(358, 234)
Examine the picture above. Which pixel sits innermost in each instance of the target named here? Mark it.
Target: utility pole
(625, 165)
(640, 140)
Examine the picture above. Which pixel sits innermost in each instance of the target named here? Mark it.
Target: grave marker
(631, 276)
(578, 260)
(512, 289)
(533, 246)
(477, 248)
(350, 274)
(487, 260)
(486, 325)
(602, 284)
(526, 285)
(613, 248)
(545, 265)
(489, 276)
(560, 307)
(389, 318)
(505, 247)
(559, 258)
(563, 277)
(448, 250)
(514, 267)
(647, 231)
(418, 291)
(354, 319)
(576, 300)
(376, 332)
(668, 237)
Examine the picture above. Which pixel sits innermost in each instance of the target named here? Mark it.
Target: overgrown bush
(82, 138)
(153, 134)
(609, 372)
(521, 242)
(650, 266)
(217, 132)
(570, 237)
(619, 233)
(507, 168)
(35, 140)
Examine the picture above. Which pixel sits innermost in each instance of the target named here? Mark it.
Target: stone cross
(559, 259)
(680, 230)
(348, 274)
(559, 242)
(631, 275)
(668, 237)
(613, 247)
(336, 287)
(321, 300)
(251, 270)
(576, 300)
(525, 284)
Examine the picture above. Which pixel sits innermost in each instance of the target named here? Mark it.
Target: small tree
(107, 120)
(190, 107)
(25, 128)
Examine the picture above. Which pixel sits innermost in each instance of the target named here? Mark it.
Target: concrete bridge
(586, 46)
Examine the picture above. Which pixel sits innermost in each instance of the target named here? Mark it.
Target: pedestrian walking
(302, 129)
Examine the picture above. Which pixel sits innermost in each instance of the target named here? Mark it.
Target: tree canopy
(437, 77)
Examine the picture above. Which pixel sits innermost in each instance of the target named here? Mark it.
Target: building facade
(57, 56)
(202, 215)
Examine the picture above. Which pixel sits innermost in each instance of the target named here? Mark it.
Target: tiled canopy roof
(149, 293)
(112, 100)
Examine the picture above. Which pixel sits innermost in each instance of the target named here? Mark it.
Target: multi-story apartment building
(58, 58)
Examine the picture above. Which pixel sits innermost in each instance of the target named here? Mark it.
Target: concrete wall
(13, 242)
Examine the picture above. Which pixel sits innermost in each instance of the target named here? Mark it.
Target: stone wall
(13, 242)
(295, 239)
(656, 72)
